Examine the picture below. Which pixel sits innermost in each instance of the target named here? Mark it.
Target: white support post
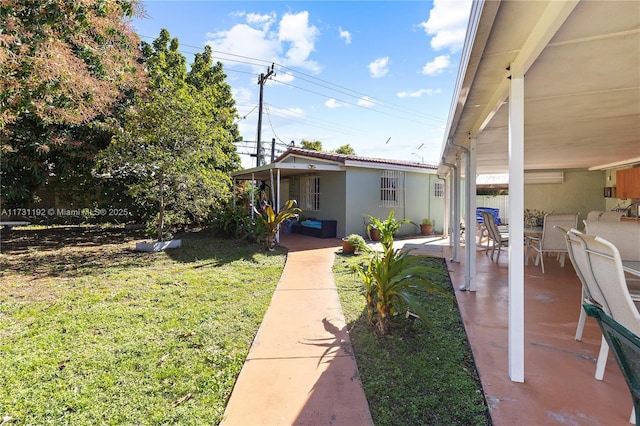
(277, 201)
(470, 243)
(516, 229)
(253, 195)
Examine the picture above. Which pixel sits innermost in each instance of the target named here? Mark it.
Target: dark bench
(316, 228)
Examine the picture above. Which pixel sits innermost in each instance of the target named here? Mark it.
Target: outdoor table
(533, 231)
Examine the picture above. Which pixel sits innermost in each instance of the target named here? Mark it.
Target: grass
(413, 376)
(92, 332)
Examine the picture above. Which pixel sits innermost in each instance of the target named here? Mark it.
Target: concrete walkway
(300, 369)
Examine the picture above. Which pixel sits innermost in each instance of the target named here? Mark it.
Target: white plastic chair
(594, 215)
(499, 239)
(610, 216)
(602, 269)
(551, 240)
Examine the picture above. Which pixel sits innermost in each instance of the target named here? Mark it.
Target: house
(543, 86)
(347, 188)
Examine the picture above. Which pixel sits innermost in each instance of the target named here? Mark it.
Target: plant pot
(348, 248)
(148, 246)
(426, 229)
(374, 234)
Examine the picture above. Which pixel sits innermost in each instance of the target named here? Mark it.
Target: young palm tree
(393, 277)
(271, 220)
(396, 278)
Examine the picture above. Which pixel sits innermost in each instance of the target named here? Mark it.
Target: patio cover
(542, 85)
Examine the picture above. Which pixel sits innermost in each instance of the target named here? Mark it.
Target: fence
(495, 202)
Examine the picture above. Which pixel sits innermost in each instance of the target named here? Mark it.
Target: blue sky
(377, 75)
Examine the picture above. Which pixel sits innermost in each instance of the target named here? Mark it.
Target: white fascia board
(310, 166)
(306, 160)
(384, 166)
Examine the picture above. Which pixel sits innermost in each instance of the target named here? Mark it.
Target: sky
(377, 75)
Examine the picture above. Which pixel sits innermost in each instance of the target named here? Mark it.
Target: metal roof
(307, 161)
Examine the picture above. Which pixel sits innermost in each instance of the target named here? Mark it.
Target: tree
(346, 150)
(63, 67)
(314, 146)
(176, 147)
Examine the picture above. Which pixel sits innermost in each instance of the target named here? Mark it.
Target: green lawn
(414, 376)
(92, 332)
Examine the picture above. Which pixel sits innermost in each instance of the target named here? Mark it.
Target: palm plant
(386, 228)
(369, 288)
(392, 279)
(272, 220)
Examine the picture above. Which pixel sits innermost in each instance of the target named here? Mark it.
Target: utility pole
(261, 80)
(273, 149)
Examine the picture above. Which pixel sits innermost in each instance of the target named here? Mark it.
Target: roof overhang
(581, 66)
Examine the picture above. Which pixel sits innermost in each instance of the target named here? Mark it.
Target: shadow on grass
(419, 375)
(74, 251)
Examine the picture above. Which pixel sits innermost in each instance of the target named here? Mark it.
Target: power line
(360, 94)
(246, 60)
(311, 121)
(351, 103)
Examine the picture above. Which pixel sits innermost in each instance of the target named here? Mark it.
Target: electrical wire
(246, 60)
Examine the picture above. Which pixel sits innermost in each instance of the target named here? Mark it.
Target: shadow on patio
(559, 386)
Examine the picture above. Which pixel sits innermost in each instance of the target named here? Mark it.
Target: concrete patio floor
(301, 369)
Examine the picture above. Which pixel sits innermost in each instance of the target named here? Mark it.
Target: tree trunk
(384, 311)
(161, 209)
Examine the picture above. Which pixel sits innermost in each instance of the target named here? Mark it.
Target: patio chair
(634, 291)
(611, 216)
(551, 240)
(591, 292)
(599, 267)
(594, 215)
(626, 348)
(499, 239)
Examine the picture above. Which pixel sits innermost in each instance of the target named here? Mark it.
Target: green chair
(626, 348)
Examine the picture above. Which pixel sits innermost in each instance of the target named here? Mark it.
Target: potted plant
(352, 243)
(426, 227)
(384, 230)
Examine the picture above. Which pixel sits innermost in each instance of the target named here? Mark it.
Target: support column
(471, 225)
(516, 229)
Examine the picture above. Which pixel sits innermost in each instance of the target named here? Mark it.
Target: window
(310, 193)
(438, 189)
(389, 184)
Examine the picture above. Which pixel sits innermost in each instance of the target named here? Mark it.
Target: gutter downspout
(454, 236)
(470, 223)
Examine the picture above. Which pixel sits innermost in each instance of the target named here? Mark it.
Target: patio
(559, 386)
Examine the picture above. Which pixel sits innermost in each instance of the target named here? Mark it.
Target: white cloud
(291, 44)
(244, 40)
(439, 64)
(332, 103)
(447, 24)
(379, 67)
(263, 21)
(418, 93)
(286, 77)
(346, 35)
(242, 94)
(295, 29)
(366, 101)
